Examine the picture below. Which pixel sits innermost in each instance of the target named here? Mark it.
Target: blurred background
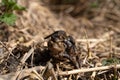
(42, 17)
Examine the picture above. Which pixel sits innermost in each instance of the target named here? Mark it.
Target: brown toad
(62, 47)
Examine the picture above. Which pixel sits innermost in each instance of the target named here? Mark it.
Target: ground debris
(62, 41)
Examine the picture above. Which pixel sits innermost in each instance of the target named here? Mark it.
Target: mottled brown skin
(56, 48)
(62, 47)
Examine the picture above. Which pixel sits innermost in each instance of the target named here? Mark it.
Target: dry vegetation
(94, 24)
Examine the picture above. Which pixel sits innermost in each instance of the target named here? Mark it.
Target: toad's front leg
(71, 58)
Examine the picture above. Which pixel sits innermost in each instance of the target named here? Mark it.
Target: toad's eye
(70, 38)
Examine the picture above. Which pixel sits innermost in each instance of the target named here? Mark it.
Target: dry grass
(96, 30)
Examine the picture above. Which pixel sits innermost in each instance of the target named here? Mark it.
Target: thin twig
(23, 73)
(106, 36)
(76, 71)
(90, 40)
(27, 55)
(37, 74)
(10, 53)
